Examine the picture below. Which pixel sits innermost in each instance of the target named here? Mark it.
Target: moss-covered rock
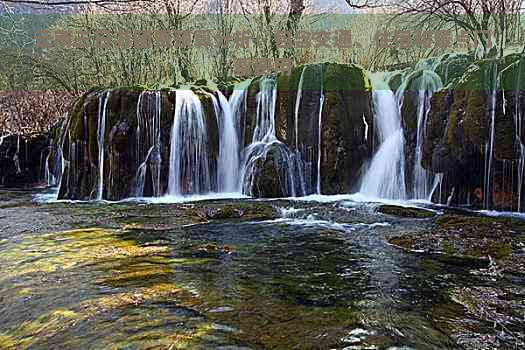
(469, 237)
(268, 173)
(346, 122)
(405, 212)
(459, 126)
(22, 160)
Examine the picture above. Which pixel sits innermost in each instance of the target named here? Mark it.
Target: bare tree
(473, 16)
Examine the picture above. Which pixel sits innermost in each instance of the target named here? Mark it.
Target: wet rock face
(22, 160)
(341, 144)
(458, 131)
(405, 211)
(126, 144)
(269, 177)
(409, 111)
(81, 147)
(453, 66)
(346, 123)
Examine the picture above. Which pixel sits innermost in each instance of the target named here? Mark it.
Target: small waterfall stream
(103, 101)
(422, 179)
(489, 147)
(297, 105)
(320, 134)
(519, 137)
(238, 102)
(228, 162)
(49, 178)
(263, 135)
(148, 141)
(264, 141)
(189, 170)
(385, 176)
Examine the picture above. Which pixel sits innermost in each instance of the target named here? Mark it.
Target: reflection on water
(316, 278)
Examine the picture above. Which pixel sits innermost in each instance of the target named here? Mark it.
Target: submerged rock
(470, 237)
(405, 211)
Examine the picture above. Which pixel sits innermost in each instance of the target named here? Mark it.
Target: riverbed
(252, 274)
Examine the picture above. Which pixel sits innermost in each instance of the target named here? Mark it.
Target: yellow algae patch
(130, 250)
(186, 339)
(48, 325)
(109, 259)
(6, 342)
(64, 250)
(24, 292)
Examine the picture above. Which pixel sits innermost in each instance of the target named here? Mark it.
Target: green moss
(405, 211)
(407, 242)
(345, 77)
(509, 76)
(453, 222)
(448, 248)
(228, 212)
(77, 117)
(497, 250)
(452, 66)
(336, 77)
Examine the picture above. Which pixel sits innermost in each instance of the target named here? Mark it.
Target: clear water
(136, 276)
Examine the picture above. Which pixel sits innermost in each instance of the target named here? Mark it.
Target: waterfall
(48, 175)
(228, 162)
(238, 107)
(385, 176)
(58, 152)
(148, 142)
(319, 134)
(489, 146)
(265, 123)
(518, 125)
(189, 170)
(427, 82)
(102, 110)
(263, 135)
(297, 105)
(264, 140)
(430, 82)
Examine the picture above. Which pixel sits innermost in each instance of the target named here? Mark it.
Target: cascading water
(189, 171)
(425, 81)
(422, 180)
(489, 147)
(307, 142)
(385, 176)
(519, 137)
(228, 162)
(265, 123)
(58, 153)
(102, 105)
(264, 140)
(148, 141)
(263, 135)
(319, 134)
(48, 175)
(297, 105)
(238, 107)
